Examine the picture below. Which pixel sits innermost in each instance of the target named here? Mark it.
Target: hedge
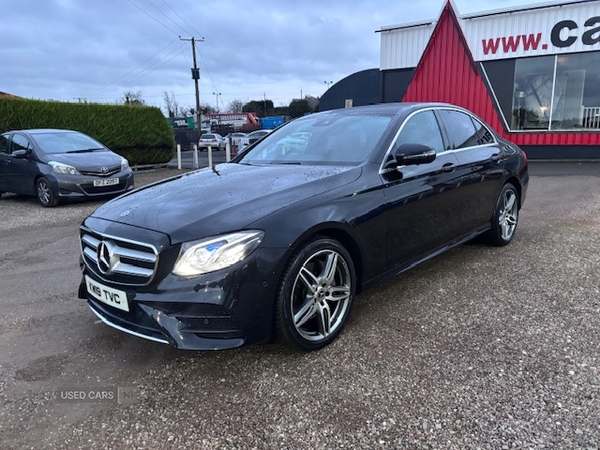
(139, 133)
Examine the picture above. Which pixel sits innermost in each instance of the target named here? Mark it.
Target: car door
(421, 199)
(20, 171)
(481, 166)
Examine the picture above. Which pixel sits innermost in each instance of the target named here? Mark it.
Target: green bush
(139, 133)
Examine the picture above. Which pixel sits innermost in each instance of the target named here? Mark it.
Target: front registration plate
(107, 295)
(106, 182)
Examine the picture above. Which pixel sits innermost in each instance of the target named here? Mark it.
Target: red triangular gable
(447, 73)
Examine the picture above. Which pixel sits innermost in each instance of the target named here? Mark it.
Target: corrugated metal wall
(402, 48)
(447, 73)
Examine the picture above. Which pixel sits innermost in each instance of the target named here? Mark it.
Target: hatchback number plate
(106, 182)
(107, 295)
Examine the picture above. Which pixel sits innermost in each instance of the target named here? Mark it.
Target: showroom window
(559, 92)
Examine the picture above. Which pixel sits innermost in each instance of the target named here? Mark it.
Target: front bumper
(67, 186)
(221, 310)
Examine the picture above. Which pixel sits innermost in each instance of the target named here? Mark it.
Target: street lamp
(328, 83)
(217, 94)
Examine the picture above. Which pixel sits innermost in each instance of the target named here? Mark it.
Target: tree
(261, 107)
(298, 108)
(208, 109)
(235, 106)
(171, 104)
(133, 98)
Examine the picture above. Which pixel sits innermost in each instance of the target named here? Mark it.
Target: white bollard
(195, 156)
(228, 150)
(179, 156)
(209, 156)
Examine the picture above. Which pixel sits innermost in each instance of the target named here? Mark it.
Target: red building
(533, 73)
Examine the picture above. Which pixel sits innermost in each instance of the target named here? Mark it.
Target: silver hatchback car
(56, 165)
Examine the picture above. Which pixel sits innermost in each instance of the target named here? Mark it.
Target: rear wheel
(316, 294)
(44, 193)
(506, 216)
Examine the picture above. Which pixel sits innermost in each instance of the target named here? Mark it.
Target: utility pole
(196, 78)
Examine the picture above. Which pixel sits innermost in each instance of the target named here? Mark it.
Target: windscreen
(61, 142)
(329, 139)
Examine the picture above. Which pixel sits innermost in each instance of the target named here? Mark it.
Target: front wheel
(506, 216)
(315, 295)
(44, 193)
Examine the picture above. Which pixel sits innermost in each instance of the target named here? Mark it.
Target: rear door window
(484, 136)
(460, 128)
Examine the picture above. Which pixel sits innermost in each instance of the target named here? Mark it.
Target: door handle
(448, 167)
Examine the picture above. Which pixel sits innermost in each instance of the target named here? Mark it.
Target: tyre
(316, 294)
(44, 193)
(506, 216)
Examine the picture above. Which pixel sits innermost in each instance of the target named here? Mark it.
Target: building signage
(590, 36)
(181, 122)
(535, 32)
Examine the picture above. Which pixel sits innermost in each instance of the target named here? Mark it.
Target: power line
(153, 67)
(103, 88)
(191, 27)
(208, 72)
(160, 11)
(153, 18)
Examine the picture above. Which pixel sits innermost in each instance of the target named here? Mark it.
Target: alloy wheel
(321, 295)
(508, 214)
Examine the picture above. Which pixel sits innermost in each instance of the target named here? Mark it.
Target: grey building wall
(363, 88)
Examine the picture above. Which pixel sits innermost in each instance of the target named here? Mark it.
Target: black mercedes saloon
(278, 242)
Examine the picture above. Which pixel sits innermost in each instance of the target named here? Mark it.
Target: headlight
(207, 255)
(124, 163)
(63, 168)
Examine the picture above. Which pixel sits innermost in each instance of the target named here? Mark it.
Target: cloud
(69, 49)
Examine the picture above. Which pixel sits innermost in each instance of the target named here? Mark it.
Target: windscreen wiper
(85, 150)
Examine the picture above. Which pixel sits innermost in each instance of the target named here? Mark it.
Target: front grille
(119, 260)
(99, 173)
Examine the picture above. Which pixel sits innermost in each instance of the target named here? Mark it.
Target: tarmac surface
(479, 348)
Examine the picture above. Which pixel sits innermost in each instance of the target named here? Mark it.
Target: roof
(391, 108)
(44, 130)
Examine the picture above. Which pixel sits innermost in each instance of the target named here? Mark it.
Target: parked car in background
(256, 135)
(328, 204)
(56, 165)
(213, 140)
(235, 139)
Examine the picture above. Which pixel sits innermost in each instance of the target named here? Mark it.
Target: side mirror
(20, 154)
(410, 154)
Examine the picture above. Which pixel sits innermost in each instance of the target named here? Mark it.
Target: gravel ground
(480, 348)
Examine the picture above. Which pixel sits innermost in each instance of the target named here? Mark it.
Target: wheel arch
(344, 237)
(515, 182)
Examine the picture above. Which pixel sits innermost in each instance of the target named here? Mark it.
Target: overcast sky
(99, 49)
